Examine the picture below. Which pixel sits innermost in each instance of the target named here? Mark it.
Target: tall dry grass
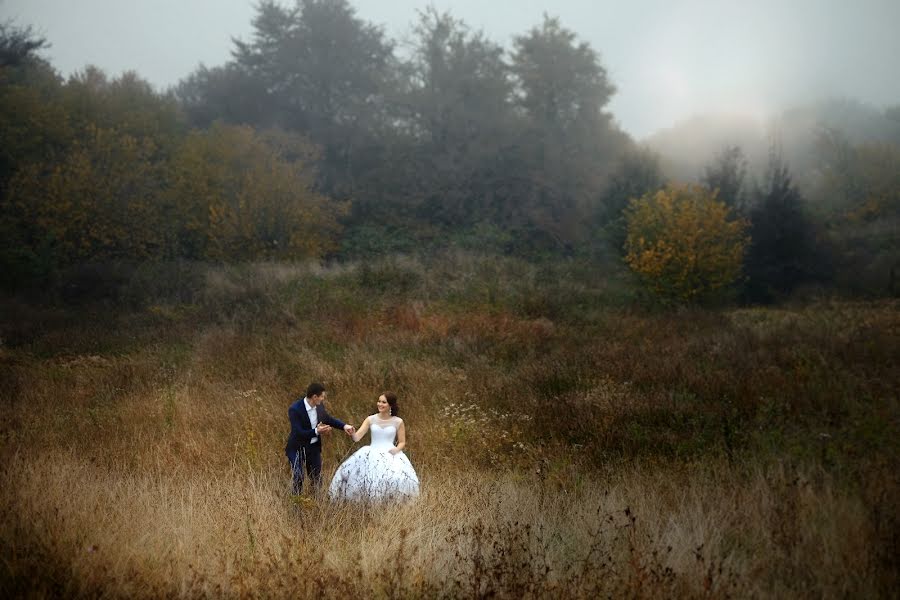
(76, 528)
(562, 451)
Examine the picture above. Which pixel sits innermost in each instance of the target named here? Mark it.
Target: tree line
(322, 137)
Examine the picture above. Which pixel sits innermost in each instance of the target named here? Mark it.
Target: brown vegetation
(566, 447)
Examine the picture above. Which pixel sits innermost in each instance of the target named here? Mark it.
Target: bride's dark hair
(391, 398)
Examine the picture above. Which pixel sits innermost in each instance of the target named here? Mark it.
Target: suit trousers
(308, 457)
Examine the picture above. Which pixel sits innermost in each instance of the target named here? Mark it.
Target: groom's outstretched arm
(335, 423)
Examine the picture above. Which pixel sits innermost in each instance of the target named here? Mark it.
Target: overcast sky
(669, 59)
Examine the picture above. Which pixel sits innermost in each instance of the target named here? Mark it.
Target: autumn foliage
(238, 197)
(683, 243)
(108, 170)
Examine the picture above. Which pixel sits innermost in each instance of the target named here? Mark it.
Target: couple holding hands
(379, 471)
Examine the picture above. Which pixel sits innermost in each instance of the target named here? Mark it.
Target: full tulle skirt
(374, 474)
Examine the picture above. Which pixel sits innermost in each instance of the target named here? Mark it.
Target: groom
(309, 421)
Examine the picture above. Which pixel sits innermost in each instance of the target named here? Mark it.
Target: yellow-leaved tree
(241, 195)
(684, 244)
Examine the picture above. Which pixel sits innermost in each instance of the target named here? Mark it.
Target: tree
(859, 200)
(323, 72)
(456, 108)
(726, 175)
(562, 83)
(18, 45)
(31, 124)
(239, 195)
(83, 177)
(782, 253)
(636, 174)
(34, 128)
(103, 169)
(459, 82)
(229, 93)
(860, 181)
(684, 244)
(99, 201)
(567, 143)
(126, 103)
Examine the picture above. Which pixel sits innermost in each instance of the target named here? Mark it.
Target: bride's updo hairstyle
(391, 398)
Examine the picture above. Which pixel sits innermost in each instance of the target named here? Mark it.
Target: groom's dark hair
(314, 389)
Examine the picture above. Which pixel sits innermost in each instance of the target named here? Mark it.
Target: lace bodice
(382, 434)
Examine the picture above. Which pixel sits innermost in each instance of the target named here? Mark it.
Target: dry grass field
(568, 444)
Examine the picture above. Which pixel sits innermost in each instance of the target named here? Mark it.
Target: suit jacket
(302, 430)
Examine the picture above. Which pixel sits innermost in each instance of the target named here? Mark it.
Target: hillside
(568, 441)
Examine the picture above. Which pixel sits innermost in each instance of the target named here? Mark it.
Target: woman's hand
(394, 451)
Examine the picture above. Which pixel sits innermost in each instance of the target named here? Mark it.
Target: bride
(380, 471)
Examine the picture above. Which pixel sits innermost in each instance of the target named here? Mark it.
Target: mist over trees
(324, 138)
(455, 138)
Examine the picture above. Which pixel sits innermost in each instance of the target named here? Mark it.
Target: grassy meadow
(569, 443)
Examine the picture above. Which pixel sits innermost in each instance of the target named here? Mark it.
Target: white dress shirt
(313, 418)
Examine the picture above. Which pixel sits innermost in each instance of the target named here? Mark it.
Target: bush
(241, 195)
(683, 244)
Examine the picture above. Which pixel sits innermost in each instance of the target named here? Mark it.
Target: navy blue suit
(299, 450)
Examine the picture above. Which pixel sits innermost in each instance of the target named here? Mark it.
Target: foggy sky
(669, 59)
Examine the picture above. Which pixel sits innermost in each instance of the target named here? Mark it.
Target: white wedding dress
(373, 473)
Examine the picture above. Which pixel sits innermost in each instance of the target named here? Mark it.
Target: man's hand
(350, 429)
(322, 428)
